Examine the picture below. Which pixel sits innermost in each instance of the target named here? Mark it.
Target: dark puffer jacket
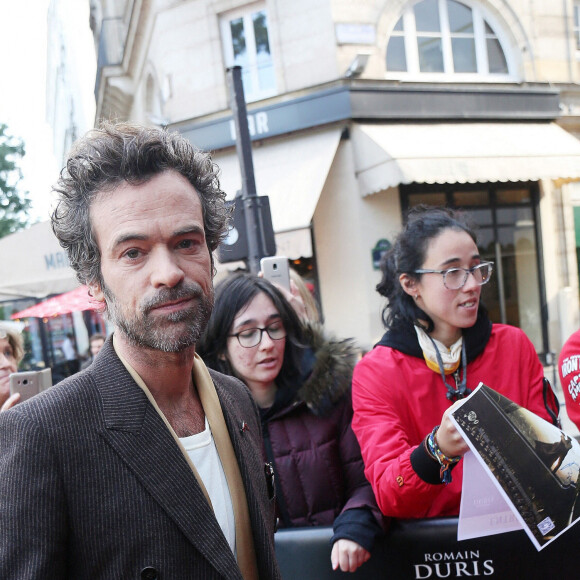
(308, 437)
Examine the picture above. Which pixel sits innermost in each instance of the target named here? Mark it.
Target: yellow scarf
(451, 357)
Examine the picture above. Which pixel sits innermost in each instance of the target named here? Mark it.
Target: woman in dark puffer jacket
(301, 381)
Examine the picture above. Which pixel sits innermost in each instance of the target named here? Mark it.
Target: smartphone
(276, 269)
(30, 383)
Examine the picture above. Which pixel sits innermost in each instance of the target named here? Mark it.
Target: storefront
(499, 172)
(34, 268)
(341, 167)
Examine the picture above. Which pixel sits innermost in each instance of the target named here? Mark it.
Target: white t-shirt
(203, 453)
(68, 349)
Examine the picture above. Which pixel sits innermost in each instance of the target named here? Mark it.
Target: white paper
(514, 442)
(483, 510)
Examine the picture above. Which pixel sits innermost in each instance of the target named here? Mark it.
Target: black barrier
(421, 549)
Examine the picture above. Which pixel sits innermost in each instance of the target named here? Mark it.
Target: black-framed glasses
(253, 336)
(455, 278)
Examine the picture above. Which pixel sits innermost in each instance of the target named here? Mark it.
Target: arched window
(435, 38)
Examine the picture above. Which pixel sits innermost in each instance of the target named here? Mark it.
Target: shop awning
(294, 244)
(76, 300)
(34, 265)
(387, 155)
(291, 171)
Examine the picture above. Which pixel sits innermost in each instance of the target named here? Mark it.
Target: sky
(23, 54)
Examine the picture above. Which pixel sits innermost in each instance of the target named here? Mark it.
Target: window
(445, 37)
(247, 44)
(577, 24)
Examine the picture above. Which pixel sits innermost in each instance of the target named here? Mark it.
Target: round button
(149, 573)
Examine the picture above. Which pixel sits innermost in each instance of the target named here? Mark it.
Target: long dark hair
(231, 296)
(423, 223)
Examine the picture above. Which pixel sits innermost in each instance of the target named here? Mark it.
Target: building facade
(70, 108)
(70, 112)
(360, 109)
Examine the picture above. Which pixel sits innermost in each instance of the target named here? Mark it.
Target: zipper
(280, 499)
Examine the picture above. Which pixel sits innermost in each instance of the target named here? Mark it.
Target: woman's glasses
(253, 336)
(455, 278)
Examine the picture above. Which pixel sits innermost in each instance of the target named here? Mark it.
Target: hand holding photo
(534, 465)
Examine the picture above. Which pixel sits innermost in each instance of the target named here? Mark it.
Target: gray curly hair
(122, 152)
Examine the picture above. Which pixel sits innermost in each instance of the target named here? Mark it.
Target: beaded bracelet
(444, 461)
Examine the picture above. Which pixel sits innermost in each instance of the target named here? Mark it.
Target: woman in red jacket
(301, 381)
(438, 346)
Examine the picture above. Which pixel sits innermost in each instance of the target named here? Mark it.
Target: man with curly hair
(146, 464)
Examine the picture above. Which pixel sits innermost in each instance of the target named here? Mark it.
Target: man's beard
(171, 333)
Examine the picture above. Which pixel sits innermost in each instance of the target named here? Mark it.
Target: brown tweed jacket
(92, 485)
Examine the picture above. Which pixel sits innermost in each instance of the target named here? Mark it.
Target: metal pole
(249, 197)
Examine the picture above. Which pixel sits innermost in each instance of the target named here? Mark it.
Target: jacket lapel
(139, 436)
(245, 442)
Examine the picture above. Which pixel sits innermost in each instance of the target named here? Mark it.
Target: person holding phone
(276, 269)
(11, 353)
(300, 380)
(438, 346)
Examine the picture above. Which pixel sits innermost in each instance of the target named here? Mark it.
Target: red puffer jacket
(398, 400)
(569, 371)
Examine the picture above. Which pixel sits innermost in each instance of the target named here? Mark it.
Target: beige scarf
(451, 356)
(245, 552)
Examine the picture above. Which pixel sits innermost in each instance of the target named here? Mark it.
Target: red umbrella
(74, 301)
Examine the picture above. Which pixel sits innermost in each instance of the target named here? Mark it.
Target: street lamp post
(250, 200)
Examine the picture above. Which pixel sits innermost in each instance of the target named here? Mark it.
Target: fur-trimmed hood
(326, 375)
(308, 426)
(327, 369)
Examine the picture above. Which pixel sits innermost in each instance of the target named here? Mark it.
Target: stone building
(70, 106)
(359, 109)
